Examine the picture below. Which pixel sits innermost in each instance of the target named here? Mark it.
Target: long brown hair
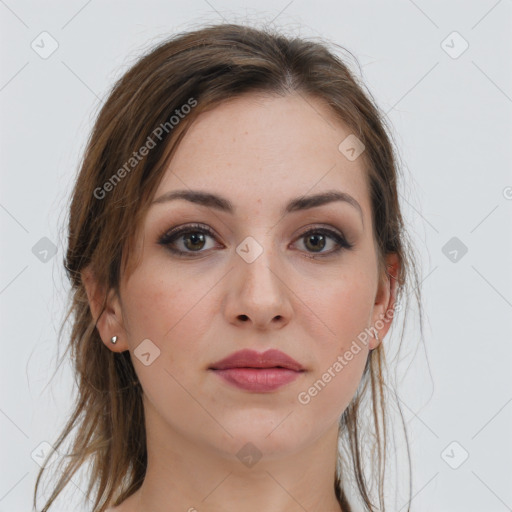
(151, 106)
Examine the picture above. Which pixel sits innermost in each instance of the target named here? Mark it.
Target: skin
(259, 152)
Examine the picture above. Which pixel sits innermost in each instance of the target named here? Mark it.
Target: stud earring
(377, 338)
(113, 339)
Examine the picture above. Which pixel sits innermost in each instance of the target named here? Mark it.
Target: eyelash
(169, 237)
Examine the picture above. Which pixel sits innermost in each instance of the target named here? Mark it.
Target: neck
(193, 476)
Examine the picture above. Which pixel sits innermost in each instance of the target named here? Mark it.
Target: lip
(251, 359)
(259, 372)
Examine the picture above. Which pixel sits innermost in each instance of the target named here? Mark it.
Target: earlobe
(105, 311)
(392, 272)
(385, 300)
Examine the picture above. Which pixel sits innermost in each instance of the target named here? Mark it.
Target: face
(212, 281)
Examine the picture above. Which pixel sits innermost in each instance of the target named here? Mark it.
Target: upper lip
(251, 359)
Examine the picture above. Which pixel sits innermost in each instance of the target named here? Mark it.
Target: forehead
(265, 149)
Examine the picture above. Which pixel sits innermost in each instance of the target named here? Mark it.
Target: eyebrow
(222, 204)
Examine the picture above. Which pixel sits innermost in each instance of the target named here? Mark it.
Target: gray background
(451, 117)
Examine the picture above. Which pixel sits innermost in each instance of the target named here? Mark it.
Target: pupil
(316, 237)
(199, 239)
(196, 239)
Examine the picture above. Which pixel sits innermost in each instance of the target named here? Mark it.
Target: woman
(237, 253)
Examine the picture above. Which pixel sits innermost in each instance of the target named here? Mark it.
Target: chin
(271, 436)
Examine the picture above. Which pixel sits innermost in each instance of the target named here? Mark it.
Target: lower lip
(258, 379)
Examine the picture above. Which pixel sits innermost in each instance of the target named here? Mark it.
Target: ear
(385, 299)
(109, 322)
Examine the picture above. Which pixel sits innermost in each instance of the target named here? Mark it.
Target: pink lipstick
(258, 372)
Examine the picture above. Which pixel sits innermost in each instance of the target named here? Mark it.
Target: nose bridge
(258, 259)
(259, 292)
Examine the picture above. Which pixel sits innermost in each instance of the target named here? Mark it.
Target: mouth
(258, 372)
(251, 359)
(258, 380)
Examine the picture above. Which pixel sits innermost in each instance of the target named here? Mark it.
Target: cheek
(157, 299)
(340, 365)
(161, 308)
(330, 391)
(347, 309)
(172, 310)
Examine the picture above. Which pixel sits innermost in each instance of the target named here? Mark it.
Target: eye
(192, 237)
(315, 240)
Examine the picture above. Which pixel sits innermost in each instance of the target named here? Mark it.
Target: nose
(258, 296)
